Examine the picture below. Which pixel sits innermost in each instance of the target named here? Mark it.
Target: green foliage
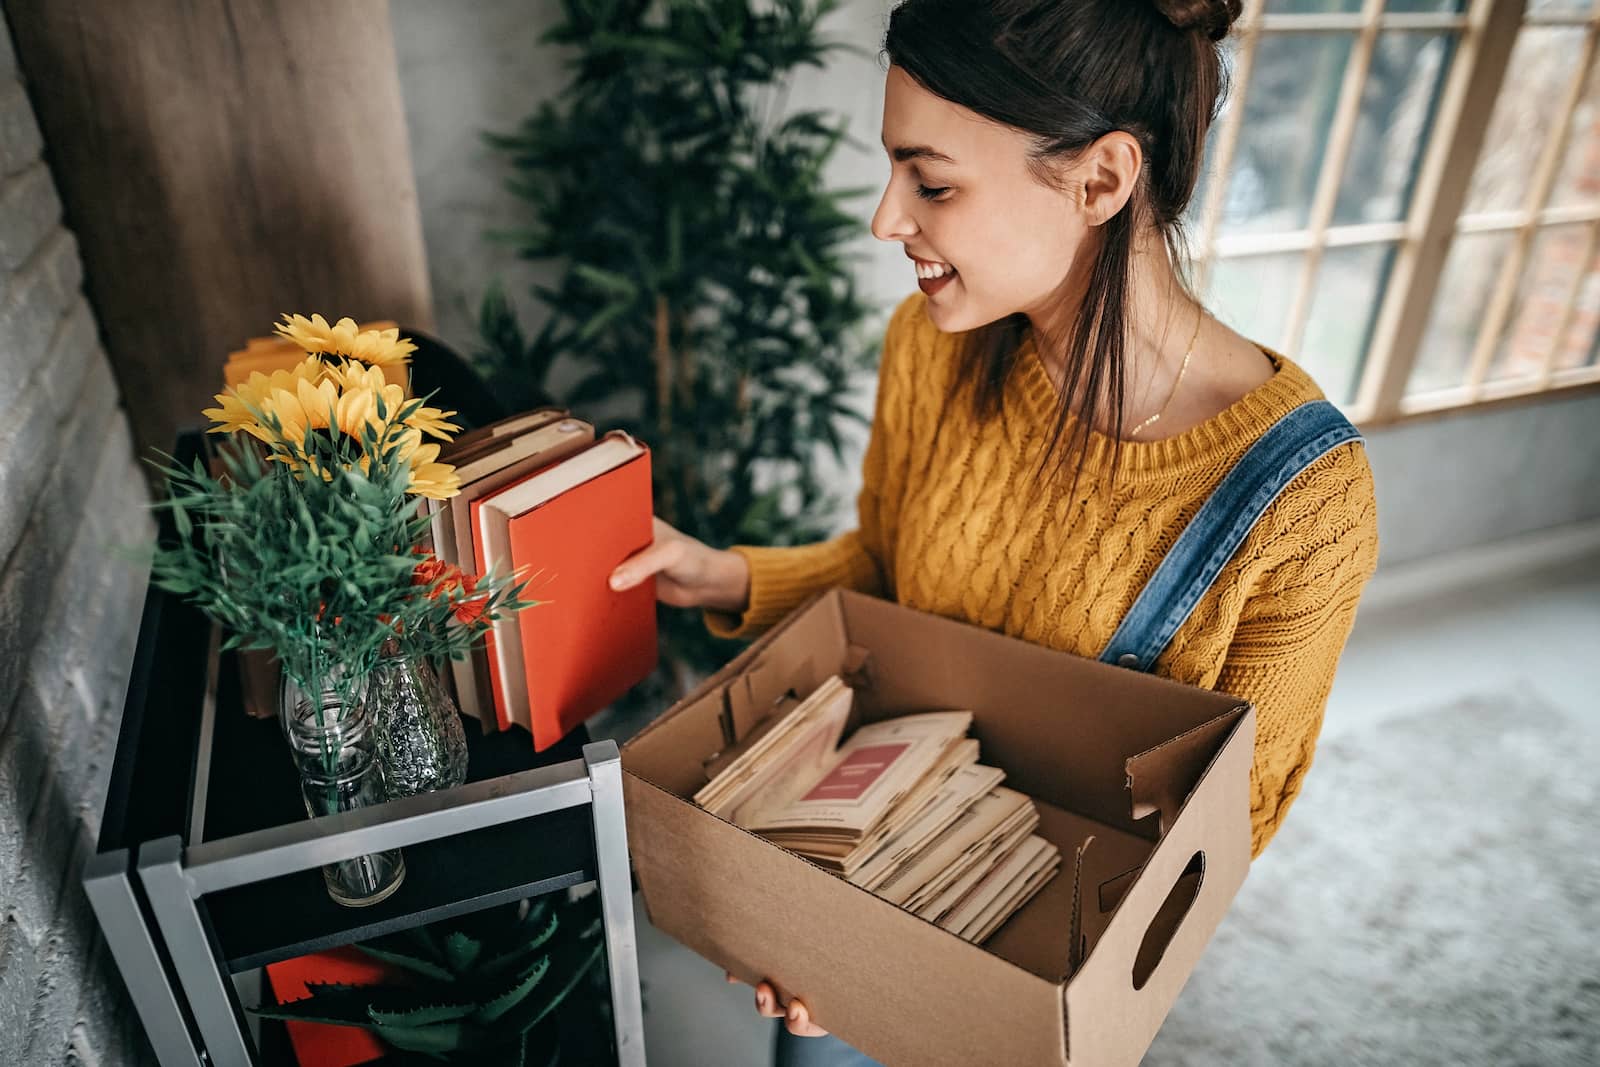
(471, 990)
(705, 280)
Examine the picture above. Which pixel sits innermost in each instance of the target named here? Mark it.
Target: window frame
(1487, 33)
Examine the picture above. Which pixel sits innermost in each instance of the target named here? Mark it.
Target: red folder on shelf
(323, 1044)
(566, 528)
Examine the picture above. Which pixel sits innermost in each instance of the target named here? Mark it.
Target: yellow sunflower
(429, 420)
(345, 338)
(235, 414)
(429, 477)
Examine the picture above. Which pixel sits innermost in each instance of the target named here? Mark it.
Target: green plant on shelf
(482, 988)
(703, 291)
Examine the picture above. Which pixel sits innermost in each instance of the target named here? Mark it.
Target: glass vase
(420, 741)
(335, 750)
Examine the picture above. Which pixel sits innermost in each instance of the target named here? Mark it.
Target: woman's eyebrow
(905, 153)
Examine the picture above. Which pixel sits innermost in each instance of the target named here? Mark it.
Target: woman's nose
(890, 222)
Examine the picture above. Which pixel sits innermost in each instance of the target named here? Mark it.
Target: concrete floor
(1412, 645)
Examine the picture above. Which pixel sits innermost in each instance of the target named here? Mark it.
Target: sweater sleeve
(859, 559)
(1294, 626)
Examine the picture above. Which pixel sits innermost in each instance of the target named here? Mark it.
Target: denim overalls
(1292, 444)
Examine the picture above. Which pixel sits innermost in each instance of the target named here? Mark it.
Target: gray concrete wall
(1444, 483)
(1475, 478)
(69, 613)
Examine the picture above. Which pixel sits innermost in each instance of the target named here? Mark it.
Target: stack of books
(901, 808)
(543, 498)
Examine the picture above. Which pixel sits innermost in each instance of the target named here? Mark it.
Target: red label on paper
(850, 779)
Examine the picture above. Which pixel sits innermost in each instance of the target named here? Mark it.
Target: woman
(1043, 153)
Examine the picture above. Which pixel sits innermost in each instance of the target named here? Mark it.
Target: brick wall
(70, 489)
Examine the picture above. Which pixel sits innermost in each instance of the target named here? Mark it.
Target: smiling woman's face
(1011, 239)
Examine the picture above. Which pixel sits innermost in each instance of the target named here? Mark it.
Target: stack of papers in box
(901, 808)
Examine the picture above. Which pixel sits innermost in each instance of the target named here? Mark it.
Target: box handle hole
(1167, 919)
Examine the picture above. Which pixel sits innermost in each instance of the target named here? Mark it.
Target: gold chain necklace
(1175, 382)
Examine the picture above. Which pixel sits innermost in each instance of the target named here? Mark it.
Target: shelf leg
(177, 914)
(616, 899)
(107, 882)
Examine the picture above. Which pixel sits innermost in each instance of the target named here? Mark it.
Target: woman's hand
(689, 573)
(794, 1014)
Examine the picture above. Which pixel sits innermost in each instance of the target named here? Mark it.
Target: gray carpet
(1432, 898)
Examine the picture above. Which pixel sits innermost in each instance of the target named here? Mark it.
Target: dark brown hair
(1067, 72)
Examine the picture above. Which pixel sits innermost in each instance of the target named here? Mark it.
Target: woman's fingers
(798, 1020)
(794, 1014)
(645, 562)
(767, 1001)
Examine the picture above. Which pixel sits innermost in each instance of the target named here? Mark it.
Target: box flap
(1161, 778)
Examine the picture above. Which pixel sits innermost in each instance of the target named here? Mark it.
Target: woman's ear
(1109, 170)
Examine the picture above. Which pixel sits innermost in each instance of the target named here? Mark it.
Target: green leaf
(423, 1016)
(409, 962)
(436, 1038)
(461, 951)
(492, 1011)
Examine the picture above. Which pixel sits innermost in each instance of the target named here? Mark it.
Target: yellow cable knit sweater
(945, 527)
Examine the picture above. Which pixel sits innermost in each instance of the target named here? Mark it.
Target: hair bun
(1214, 18)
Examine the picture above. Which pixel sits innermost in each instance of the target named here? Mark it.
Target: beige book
(948, 886)
(845, 857)
(493, 534)
(963, 841)
(963, 790)
(1001, 886)
(786, 760)
(981, 933)
(873, 770)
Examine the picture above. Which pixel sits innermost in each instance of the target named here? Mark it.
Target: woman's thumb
(638, 567)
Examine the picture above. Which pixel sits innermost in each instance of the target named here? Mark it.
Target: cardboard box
(1141, 782)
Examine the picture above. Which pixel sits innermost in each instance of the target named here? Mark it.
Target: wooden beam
(222, 163)
(1471, 88)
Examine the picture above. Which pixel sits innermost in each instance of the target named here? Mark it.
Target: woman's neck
(1160, 322)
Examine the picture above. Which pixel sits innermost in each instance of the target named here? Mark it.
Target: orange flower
(469, 611)
(456, 585)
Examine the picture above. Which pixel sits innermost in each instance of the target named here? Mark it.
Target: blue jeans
(829, 1051)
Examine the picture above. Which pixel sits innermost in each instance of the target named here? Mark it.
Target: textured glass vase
(420, 741)
(335, 750)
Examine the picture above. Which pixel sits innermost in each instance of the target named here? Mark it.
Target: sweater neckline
(1223, 434)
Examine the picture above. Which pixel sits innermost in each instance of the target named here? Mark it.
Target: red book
(566, 528)
(324, 1044)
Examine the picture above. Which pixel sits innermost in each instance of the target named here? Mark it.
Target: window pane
(1554, 262)
(1458, 307)
(1344, 308)
(1559, 7)
(1310, 7)
(1193, 214)
(1411, 6)
(1581, 346)
(1252, 294)
(1291, 99)
(1543, 64)
(1578, 181)
(1397, 112)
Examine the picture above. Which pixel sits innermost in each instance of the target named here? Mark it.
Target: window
(1410, 200)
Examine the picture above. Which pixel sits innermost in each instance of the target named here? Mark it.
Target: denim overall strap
(1292, 444)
